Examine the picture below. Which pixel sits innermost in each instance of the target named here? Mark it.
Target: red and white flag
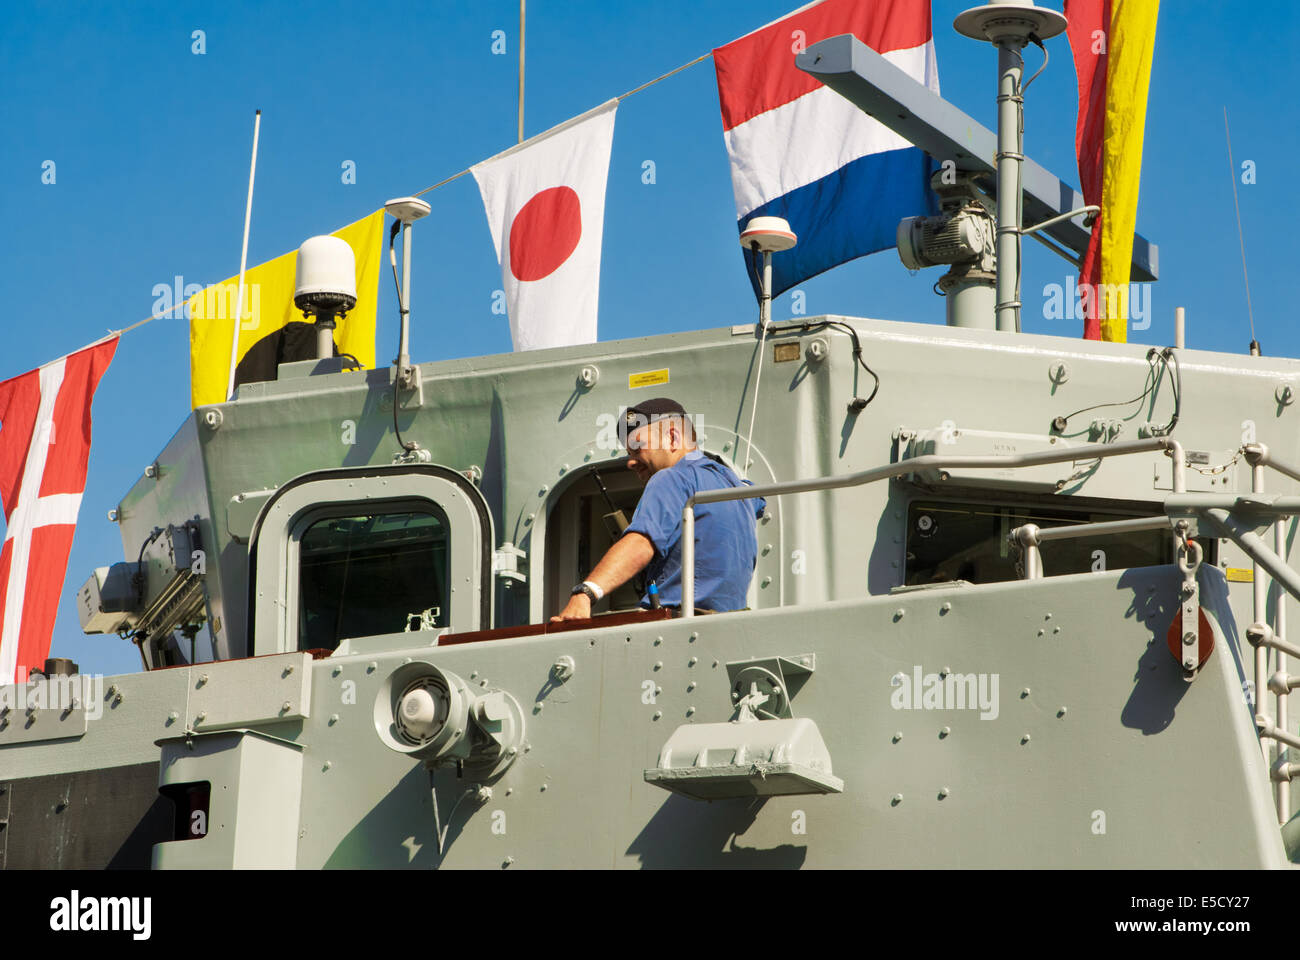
(44, 448)
(545, 201)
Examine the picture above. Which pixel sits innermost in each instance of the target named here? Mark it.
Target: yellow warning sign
(1240, 574)
(647, 379)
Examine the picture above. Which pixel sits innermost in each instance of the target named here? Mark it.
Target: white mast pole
(243, 261)
(521, 70)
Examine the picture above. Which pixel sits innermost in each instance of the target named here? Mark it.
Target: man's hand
(621, 562)
(578, 608)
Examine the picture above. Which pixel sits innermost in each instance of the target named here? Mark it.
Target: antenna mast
(243, 261)
(1009, 25)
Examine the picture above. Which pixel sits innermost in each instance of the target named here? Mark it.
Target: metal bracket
(1189, 562)
(762, 689)
(506, 563)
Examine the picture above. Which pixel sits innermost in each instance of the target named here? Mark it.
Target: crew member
(660, 442)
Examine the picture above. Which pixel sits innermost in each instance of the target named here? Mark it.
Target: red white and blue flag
(44, 450)
(801, 151)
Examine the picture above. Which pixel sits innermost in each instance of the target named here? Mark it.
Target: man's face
(650, 448)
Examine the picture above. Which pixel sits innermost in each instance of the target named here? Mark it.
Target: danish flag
(44, 449)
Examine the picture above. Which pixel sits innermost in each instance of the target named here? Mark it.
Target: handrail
(1029, 536)
(1088, 451)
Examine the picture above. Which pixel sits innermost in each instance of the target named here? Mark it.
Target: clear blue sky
(151, 144)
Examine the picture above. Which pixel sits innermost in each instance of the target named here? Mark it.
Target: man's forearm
(622, 561)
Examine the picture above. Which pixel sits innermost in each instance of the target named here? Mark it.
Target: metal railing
(1090, 451)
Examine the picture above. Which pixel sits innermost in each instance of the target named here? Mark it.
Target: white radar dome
(326, 278)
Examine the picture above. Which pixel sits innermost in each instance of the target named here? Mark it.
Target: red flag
(1088, 29)
(44, 449)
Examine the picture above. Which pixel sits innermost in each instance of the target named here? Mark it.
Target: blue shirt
(725, 544)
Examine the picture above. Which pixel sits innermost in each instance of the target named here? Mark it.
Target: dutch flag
(801, 151)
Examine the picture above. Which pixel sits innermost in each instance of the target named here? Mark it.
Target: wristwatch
(585, 587)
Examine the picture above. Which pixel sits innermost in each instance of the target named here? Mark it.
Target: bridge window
(366, 574)
(968, 541)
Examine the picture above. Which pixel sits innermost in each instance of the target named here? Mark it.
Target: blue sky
(151, 141)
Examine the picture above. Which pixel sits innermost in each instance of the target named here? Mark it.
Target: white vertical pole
(243, 261)
(1279, 631)
(1260, 612)
(688, 561)
(521, 70)
(1180, 328)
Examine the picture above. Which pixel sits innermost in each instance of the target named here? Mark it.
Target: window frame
(306, 519)
(273, 544)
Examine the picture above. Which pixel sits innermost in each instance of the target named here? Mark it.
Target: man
(660, 441)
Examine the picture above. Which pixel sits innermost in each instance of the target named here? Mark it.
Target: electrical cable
(1151, 382)
(407, 445)
(857, 354)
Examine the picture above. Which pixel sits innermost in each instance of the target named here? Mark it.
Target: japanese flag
(44, 449)
(545, 203)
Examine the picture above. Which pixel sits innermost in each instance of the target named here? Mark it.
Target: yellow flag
(268, 311)
(1132, 42)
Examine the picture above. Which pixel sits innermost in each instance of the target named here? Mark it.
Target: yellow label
(1240, 574)
(647, 379)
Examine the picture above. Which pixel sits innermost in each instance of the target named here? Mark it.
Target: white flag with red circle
(44, 449)
(545, 201)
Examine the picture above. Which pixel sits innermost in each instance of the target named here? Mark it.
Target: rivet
(1056, 629)
(945, 607)
(658, 640)
(328, 764)
(944, 731)
(1041, 631)
(336, 671)
(371, 667)
(690, 711)
(692, 661)
(284, 707)
(542, 492)
(334, 718)
(898, 735)
(1048, 617)
(544, 787)
(1061, 712)
(945, 670)
(201, 717)
(507, 861)
(693, 637)
(1025, 738)
(943, 792)
(537, 707)
(690, 686)
(657, 715)
(1024, 693)
(899, 613)
(897, 799)
(734, 697)
(529, 519)
(202, 680)
(474, 675)
(766, 582)
(173, 717)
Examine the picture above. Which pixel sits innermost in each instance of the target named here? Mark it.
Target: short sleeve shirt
(725, 543)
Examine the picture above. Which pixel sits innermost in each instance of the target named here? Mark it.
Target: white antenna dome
(771, 234)
(326, 278)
